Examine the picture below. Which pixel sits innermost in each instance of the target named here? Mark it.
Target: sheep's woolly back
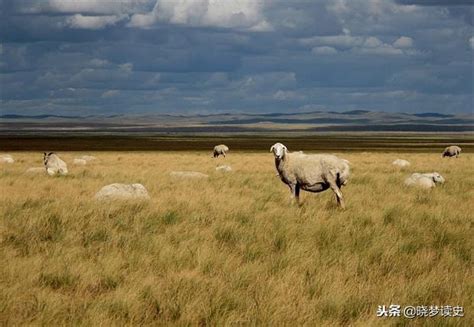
(452, 151)
(426, 180)
(421, 181)
(312, 169)
(221, 148)
(55, 165)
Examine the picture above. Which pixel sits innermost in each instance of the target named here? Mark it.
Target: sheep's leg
(337, 191)
(295, 192)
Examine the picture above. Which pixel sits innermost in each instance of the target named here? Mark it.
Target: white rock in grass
(188, 174)
(80, 162)
(6, 158)
(36, 170)
(119, 191)
(224, 168)
(401, 163)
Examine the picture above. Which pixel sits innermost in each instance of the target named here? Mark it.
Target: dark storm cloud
(160, 56)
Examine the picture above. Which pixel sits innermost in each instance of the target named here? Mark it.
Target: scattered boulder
(6, 158)
(427, 180)
(188, 174)
(119, 191)
(80, 162)
(224, 168)
(36, 170)
(401, 163)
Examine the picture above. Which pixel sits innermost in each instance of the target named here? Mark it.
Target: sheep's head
(437, 178)
(279, 150)
(46, 157)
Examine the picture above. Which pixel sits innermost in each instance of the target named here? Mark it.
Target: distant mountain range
(305, 122)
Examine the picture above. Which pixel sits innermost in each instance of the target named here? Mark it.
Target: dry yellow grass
(231, 249)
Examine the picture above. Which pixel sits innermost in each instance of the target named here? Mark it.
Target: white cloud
(127, 67)
(471, 42)
(403, 42)
(92, 22)
(286, 95)
(358, 44)
(98, 62)
(240, 14)
(88, 7)
(324, 50)
(384, 49)
(372, 42)
(142, 20)
(339, 41)
(263, 26)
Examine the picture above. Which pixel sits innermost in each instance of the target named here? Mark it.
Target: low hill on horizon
(235, 123)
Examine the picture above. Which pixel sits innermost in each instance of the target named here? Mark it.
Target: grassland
(231, 249)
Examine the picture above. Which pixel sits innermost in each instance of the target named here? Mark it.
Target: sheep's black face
(46, 157)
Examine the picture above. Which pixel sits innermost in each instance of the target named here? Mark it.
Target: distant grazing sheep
(220, 149)
(452, 151)
(54, 165)
(427, 180)
(401, 163)
(6, 158)
(312, 173)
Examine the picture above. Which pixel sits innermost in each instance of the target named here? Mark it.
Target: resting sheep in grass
(220, 149)
(312, 173)
(54, 165)
(427, 180)
(452, 151)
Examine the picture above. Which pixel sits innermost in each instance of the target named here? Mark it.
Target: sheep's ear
(285, 149)
(271, 149)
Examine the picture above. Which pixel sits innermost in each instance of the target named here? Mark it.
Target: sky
(101, 57)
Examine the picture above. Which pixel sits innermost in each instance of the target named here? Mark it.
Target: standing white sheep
(54, 165)
(220, 149)
(312, 173)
